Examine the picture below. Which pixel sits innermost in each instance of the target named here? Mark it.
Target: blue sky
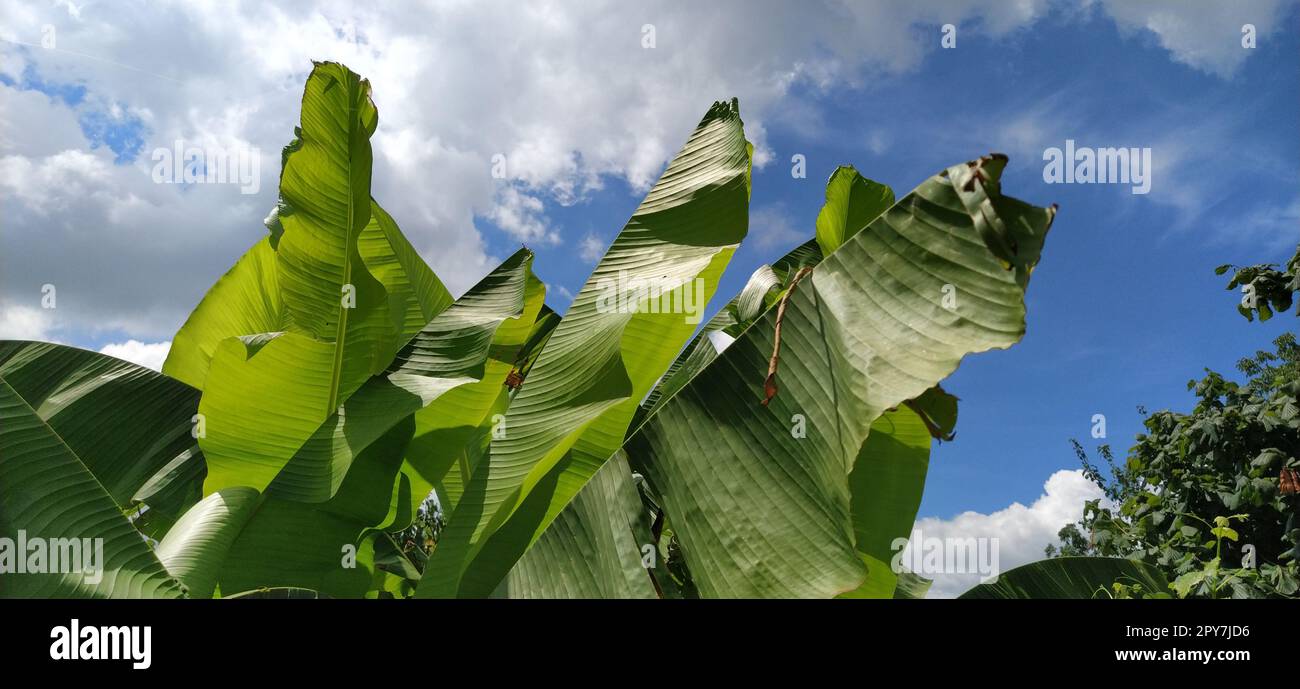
(1124, 308)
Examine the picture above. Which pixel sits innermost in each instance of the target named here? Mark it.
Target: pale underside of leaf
(601, 360)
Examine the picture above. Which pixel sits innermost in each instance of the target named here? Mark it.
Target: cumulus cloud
(25, 323)
(1205, 34)
(150, 355)
(521, 216)
(1021, 532)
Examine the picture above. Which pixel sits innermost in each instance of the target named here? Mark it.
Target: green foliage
(1203, 495)
(1073, 543)
(332, 424)
(1190, 472)
(1265, 288)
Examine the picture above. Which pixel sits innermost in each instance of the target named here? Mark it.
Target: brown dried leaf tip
(514, 380)
(1290, 481)
(978, 166)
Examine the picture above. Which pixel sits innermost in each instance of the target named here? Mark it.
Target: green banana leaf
(852, 201)
(763, 289)
(289, 541)
(761, 498)
(761, 512)
(889, 473)
(441, 375)
(1072, 577)
(451, 447)
(196, 545)
(266, 393)
(911, 586)
(729, 322)
(133, 428)
(245, 301)
(415, 294)
(324, 546)
(451, 432)
(607, 514)
(887, 483)
(602, 359)
(64, 535)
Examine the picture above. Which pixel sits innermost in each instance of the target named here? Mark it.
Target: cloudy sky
(1123, 310)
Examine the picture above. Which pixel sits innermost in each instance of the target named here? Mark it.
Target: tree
(1210, 496)
(1265, 287)
(1073, 543)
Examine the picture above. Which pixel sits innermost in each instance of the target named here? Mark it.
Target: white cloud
(150, 355)
(1205, 34)
(1021, 532)
(25, 323)
(591, 248)
(53, 182)
(521, 216)
(58, 125)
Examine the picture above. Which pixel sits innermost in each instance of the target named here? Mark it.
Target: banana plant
(329, 382)
(789, 461)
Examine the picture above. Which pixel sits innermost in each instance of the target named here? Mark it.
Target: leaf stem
(769, 385)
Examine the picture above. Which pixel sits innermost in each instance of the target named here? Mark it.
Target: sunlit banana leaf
(852, 201)
(761, 497)
(292, 541)
(761, 505)
(266, 393)
(415, 294)
(911, 586)
(450, 433)
(323, 546)
(885, 490)
(889, 472)
(196, 545)
(442, 376)
(245, 301)
(601, 360)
